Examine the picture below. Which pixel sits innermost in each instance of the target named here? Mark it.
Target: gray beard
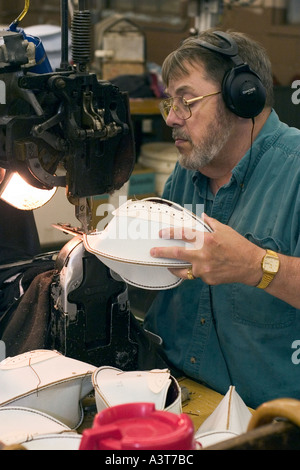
(205, 152)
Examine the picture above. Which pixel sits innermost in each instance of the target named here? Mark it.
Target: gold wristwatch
(270, 266)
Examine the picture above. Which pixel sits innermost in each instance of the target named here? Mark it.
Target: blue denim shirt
(233, 334)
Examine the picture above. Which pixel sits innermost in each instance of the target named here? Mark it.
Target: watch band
(265, 281)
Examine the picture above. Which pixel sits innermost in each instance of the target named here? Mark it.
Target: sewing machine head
(64, 127)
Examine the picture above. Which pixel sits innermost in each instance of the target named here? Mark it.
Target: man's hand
(223, 256)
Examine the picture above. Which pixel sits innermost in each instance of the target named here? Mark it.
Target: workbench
(199, 401)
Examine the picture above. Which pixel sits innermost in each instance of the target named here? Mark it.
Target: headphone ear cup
(243, 92)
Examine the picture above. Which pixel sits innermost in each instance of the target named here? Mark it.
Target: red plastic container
(138, 426)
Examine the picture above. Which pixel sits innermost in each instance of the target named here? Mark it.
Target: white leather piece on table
(18, 424)
(47, 381)
(64, 441)
(115, 387)
(229, 419)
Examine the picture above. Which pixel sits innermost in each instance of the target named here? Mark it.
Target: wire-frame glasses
(180, 105)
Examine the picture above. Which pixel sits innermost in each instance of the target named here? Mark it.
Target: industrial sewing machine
(67, 128)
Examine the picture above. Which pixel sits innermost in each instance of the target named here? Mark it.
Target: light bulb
(20, 194)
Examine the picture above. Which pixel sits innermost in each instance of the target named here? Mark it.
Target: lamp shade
(18, 193)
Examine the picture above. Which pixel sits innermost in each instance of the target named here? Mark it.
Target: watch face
(271, 264)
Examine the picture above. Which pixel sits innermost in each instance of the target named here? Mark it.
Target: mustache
(179, 134)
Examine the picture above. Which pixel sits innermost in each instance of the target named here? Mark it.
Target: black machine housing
(67, 128)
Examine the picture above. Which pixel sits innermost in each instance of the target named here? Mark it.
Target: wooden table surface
(201, 401)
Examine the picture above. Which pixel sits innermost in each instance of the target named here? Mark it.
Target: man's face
(200, 139)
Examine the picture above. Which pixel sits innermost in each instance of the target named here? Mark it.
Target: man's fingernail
(165, 233)
(153, 252)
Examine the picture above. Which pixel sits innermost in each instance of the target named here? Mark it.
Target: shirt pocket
(253, 306)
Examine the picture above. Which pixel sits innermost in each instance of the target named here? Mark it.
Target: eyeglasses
(180, 105)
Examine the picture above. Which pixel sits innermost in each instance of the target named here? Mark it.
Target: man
(232, 322)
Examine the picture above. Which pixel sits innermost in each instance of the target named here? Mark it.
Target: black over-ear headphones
(242, 89)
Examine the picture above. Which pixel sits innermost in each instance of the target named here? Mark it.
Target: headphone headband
(230, 51)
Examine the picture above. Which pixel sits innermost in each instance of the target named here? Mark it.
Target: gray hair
(216, 65)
